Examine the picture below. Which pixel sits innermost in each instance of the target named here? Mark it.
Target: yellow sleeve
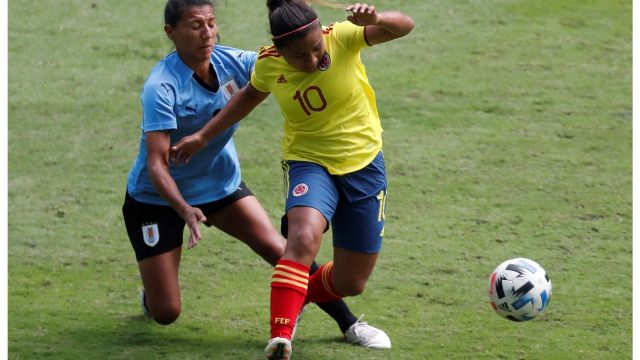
(350, 36)
(258, 80)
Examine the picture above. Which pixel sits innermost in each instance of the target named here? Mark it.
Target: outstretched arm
(240, 105)
(380, 27)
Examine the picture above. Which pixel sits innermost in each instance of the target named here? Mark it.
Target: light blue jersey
(174, 100)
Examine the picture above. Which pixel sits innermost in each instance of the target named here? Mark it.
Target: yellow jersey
(330, 115)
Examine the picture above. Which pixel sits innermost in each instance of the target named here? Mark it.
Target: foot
(278, 349)
(295, 326)
(363, 334)
(143, 304)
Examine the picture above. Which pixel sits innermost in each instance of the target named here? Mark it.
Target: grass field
(507, 134)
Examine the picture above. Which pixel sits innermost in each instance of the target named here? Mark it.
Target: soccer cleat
(278, 349)
(143, 304)
(363, 334)
(298, 318)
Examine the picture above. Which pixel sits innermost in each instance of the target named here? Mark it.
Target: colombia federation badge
(325, 62)
(300, 189)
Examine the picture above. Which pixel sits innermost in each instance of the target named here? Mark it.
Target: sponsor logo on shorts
(300, 189)
(150, 234)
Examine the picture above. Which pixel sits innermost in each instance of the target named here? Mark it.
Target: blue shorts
(353, 203)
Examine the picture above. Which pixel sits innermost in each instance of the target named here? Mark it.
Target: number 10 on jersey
(307, 104)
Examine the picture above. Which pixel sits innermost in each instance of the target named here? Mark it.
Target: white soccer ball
(519, 289)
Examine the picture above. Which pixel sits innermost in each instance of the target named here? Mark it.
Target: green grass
(507, 134)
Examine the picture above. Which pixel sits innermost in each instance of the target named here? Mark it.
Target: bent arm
(240, 105)
(391, 25)
(158, 164)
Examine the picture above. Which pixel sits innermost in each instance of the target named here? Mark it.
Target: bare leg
(306, 226)
(160, 280)
(247, 221)
(351, 270)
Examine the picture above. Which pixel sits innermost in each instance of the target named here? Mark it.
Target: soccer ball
(519, 289)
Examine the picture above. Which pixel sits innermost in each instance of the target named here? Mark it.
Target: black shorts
(157, 229)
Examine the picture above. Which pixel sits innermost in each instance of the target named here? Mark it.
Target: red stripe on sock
(287, 297)
(321, 287)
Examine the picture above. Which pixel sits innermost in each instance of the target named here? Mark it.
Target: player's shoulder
(346, 35)
(327, 30)
(166, 77)
(171, 69)
(267, 53)
(338, 27)
(231, 53)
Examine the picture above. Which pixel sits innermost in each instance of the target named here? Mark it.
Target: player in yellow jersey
(332, 145)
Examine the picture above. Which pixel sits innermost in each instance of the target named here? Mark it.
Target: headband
(294, 31)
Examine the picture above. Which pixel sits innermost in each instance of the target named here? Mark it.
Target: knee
(352, 288)
(304, 238)
(166, 314)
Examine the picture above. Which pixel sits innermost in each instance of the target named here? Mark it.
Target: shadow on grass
(333, 340)
(137, 337)
(334, 347)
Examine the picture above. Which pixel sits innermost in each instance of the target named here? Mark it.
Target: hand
(362, 14)
(185, 148)
(193, 217)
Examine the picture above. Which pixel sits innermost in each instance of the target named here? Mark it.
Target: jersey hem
(160, 127)
(159, 200)
(333, 170)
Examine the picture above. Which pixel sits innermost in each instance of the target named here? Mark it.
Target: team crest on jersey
(300, 189)
(325, 62)
(229, 88)
(150, 234)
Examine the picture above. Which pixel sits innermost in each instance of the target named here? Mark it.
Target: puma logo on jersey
(191, 108)
(166, 88)
(282, 80)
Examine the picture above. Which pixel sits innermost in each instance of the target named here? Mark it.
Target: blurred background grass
(507, 134)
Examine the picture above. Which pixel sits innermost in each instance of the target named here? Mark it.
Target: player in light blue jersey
(176, 102)
(183, 91)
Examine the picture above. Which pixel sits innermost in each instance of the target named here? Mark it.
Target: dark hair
(288, 15)
(175, 8)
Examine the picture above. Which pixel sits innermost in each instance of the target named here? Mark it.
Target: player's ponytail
(274, 4)
(289, 20)
(328, 3)
(292, 19)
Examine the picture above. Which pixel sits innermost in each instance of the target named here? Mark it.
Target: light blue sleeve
(158, 100)
(248, 60)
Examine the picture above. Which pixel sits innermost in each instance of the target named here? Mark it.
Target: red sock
(288, 291)
(321, 287)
